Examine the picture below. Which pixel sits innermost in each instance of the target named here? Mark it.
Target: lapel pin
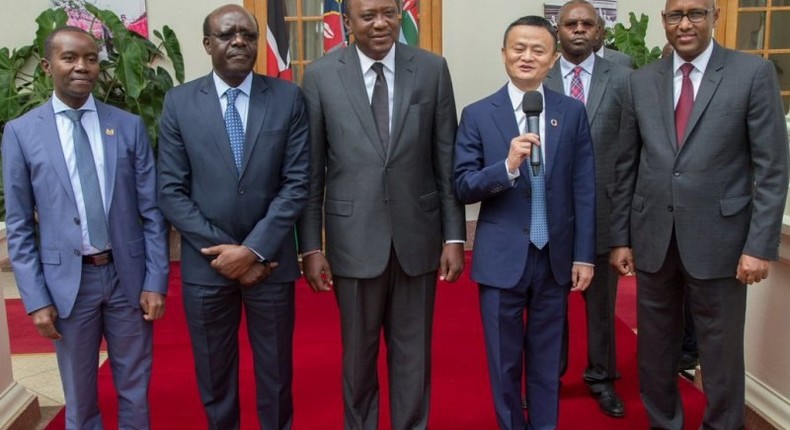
(109, 131)
(553, 122)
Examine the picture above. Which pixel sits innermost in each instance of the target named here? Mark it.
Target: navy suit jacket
(44, 234)
(502, 236)
(205, 197)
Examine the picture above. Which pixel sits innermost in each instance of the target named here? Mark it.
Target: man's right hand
(622, 259)
(257, 273)
(520, 149)
(317, 272)
(44, 320)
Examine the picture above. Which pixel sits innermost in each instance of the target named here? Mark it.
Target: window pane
(786, 103)
(752, 3)
(781, 3)
(293, 40)
(782, 64)
(780, 30)
(751, 30)
(314, 42)
(312, 7)
(290, 7)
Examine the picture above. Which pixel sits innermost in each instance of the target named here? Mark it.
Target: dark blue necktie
(234, 127)
(89, 182)
(539, 229)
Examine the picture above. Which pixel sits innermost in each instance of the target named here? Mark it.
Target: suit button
(76, 221)
(77, 252)
(670, 208)
(526, 231)
(677, 173)
(528, 192)
(241, 191)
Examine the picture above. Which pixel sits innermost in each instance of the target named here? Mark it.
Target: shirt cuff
(582, 263)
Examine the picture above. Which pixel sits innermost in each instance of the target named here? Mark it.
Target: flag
(334, 30)
(278, 55)
(410, 23)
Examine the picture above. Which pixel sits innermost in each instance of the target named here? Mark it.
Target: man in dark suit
(524, 259)
(382, 124)
(612, 55)
(701, 186)
(87, 244)
(234, 161)
(601, 85)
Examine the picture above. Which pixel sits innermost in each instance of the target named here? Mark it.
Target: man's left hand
(581, 275)
(153, 305)
(452, 262)
(232, 260)
(752, 269)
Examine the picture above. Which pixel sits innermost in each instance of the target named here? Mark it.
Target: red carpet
(461, 396)
(22, 333)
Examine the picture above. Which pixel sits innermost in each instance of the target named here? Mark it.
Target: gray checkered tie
(89, 181)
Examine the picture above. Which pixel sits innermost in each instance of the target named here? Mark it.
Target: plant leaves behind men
(631, 41)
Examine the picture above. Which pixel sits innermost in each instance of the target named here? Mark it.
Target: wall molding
(17, 404)
(766, 402)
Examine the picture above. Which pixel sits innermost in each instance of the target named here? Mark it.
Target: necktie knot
(378, 67)
(577, 71)
(74, 115)
(231, 94)
(686, 69)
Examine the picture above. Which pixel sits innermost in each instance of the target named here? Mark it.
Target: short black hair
(563, 8)
(532, 21)
(55, 32)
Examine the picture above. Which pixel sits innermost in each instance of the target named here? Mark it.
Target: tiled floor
(37, 372)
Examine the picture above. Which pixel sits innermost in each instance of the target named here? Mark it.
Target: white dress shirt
(242, 100)
(369, 76)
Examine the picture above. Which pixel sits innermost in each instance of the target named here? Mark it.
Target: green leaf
(130, 70)
(109, 20)
(48, 21)
(173, 49)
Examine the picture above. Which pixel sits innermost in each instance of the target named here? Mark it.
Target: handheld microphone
(532, 105)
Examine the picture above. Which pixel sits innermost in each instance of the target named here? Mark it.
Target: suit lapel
(554, 122)
(258, 108)
(350, 74)
(52, 146)
(504, 118)
(404, 85)
(598, 83)
(213, 120)
(108, 128)
(708, 86)
(665, 89)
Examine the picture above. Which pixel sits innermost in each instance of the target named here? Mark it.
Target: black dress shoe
(610, 402)
(688, 362)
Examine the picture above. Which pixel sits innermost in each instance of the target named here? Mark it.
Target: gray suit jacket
(724, 191)
(606, 96)
(368, 200)
(204, 196)
(44, 234)
(618, 58)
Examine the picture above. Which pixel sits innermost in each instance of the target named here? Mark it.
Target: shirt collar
(222, 86)
(388, 61)
(700, 63)
(59, 106)
(517, 96)
(587, 65)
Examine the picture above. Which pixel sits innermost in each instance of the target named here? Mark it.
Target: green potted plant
(132, 76)
(631, 40)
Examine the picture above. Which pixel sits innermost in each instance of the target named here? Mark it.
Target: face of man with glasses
(689, 25)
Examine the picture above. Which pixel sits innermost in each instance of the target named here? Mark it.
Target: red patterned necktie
(577, 89)
(685, 103)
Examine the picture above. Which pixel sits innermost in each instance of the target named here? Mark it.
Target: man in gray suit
(87, 244)
(234, 161)
(382, 124)
(612, 55)
(701, 187)
(601, 85)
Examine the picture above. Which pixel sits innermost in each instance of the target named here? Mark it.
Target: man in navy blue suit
(535, 238)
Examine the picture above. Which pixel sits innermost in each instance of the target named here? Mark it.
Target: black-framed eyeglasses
(694, 15)
(227, 36)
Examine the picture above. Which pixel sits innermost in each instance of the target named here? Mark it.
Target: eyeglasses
(695, 15)
(227, 36)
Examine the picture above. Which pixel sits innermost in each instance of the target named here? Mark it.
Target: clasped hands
(239, 263)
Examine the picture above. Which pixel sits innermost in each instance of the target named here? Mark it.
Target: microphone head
(532, 104)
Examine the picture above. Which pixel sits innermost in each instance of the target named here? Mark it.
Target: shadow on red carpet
(461, 397)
